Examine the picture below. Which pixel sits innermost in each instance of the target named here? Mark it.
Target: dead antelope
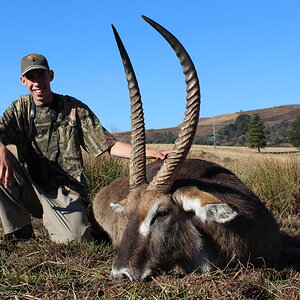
(188, 213)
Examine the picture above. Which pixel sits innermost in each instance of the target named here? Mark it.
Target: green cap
(33, 61)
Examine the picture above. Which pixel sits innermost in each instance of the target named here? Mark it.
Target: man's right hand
(6, 166)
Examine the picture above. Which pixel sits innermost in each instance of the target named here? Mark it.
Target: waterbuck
(187, 213)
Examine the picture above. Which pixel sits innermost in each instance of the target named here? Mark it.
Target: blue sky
(247, 54)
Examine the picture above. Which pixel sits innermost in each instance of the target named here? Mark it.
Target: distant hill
(270, 116)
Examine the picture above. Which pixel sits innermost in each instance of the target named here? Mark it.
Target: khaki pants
(64, 213)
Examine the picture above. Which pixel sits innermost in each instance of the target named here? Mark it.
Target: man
(47, 180)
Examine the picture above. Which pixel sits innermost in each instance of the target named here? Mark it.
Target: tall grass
(102, 170)
(275, 181)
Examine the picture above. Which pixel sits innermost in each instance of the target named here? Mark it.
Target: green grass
(40, 269)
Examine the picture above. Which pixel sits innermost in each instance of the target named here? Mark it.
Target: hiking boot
(23, 234)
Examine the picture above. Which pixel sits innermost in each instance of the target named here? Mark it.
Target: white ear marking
(218, 212)
(117, 207)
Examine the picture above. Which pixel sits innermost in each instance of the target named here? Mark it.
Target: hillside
(269, 115)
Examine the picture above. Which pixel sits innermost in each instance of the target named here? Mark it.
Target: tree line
(245, 131)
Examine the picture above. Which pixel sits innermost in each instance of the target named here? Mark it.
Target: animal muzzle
(130, 273)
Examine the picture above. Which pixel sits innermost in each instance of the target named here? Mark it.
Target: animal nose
(119, 276)
(123, 273)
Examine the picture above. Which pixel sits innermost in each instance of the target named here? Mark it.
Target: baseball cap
(33, 61)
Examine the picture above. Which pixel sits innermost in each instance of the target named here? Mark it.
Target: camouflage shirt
(50, 148)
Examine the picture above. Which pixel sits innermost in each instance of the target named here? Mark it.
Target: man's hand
(6, 167)
(157, 154)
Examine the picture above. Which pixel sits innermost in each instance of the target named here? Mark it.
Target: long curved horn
(164, 178)
(137, 166)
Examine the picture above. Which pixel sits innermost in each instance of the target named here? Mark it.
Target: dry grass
(234, 153)
(40, 269)
(275, 181)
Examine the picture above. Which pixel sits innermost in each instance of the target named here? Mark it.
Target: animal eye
(160, 214)
(163, 213)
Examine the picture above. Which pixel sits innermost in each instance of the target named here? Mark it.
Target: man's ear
(23, 80)
(51, 75)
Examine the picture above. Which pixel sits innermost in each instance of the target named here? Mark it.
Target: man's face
(38, 84)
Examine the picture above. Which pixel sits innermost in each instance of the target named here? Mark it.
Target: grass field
(40, 269)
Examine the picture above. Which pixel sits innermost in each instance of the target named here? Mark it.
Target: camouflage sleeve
(95, 138)
(10, 130)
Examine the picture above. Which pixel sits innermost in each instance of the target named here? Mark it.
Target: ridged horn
(137, 166)
(165, 176)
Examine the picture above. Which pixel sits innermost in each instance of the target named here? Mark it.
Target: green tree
(230, 133)
(278, 133)
(161, 138)
(294, 132)
(242, 124)
(255, 136)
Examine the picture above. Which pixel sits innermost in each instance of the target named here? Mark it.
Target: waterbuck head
(149, 206)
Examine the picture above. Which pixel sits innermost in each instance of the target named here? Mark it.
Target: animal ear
(118, 207)
(206, 206)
